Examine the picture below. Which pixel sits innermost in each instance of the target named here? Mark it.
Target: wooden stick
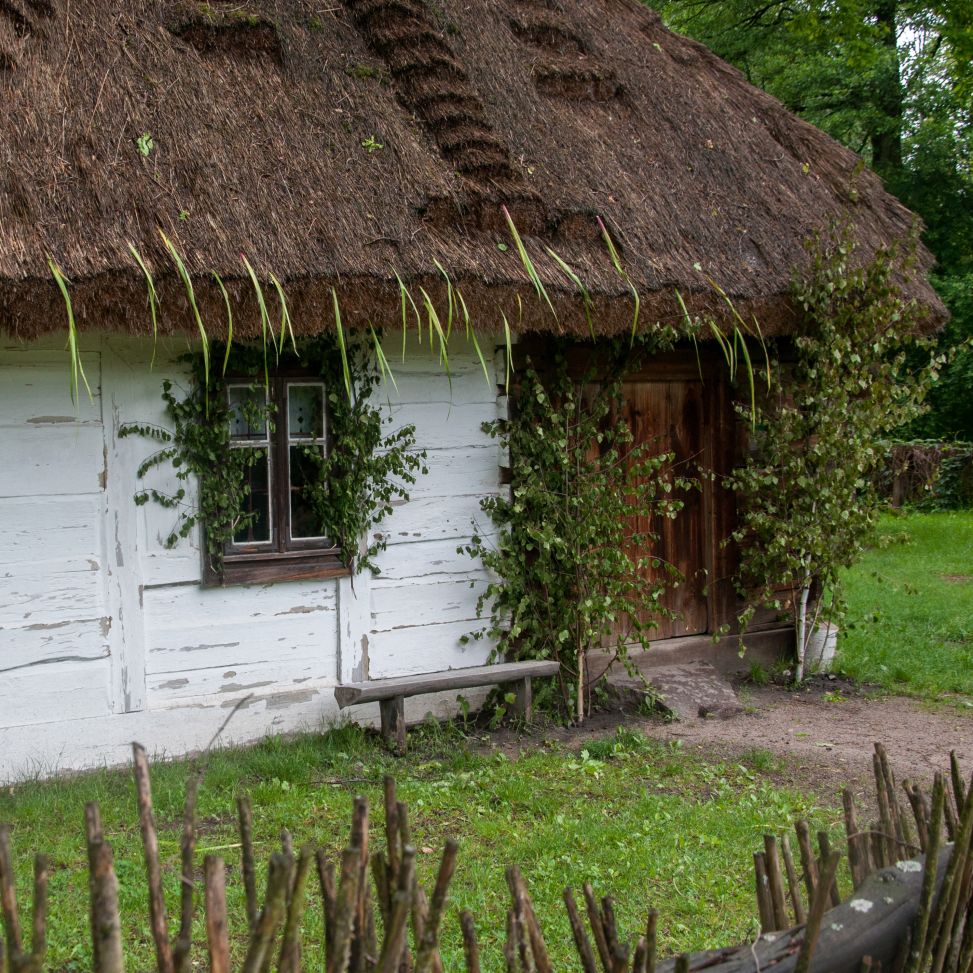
(538, 948)
(290, 949)
(395, 932)
(106, 925)
(775, 880)
(920, 939)
(879, 849)
(329, 896)
(888, 778)
(819, 904)
(150, 842)
(245, 816)
(471, 949)
(920, 812)
(346, 908)
(952, 825)
(94, 836)
(884, 811)
(380, 875)
(953, 886)
(641, 953)
(682, 964)
(651, 941)
(611, 926)
(511, 945)
(765, 908)
(38, 942)
(824, 843)
(793, 883)
(260, 949)
(8, 902)
(808, 867)
(217, 931)
(362, 954)
(392, 835)
(597, 927)
(959, 789)
(182, 945)
(581, 941)
(429, 944)
(857, 862)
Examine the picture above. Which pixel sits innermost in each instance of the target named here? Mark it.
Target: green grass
(910, 625)
(642, 820)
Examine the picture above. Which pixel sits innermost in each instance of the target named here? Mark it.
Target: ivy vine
(366, 471)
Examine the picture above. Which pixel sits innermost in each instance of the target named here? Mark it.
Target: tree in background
(892, 80)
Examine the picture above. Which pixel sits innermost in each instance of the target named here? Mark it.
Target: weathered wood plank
(192, 607)
(425, 648)
(65, 692)
(433, 518)
(46, 592)
(236, 641)
(44, 644)
(34, 390)
(166, 689)
(472, 471)
(437, 682)
(443, 426)
(433, 559)
(59, 529)
(54, 460)
(435, 603)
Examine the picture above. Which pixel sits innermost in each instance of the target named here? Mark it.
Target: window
(280, 539)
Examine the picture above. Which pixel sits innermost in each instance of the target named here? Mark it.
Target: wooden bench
(390, 694)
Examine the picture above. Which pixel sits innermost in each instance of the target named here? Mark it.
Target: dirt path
(835, 735)
(826, 733)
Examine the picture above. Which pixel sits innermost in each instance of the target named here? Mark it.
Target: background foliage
(893, 80)
(807, 493)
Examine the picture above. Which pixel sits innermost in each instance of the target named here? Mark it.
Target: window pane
(248, 416)
(305, 411)
(257, 477)
(305, 469)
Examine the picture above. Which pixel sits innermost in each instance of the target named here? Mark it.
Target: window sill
(273, 570)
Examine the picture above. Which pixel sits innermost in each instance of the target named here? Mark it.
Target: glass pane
(305, 411)
(248, 416)
(257, 502)
(305, 468)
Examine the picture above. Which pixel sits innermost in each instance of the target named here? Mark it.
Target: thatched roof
(332, 143)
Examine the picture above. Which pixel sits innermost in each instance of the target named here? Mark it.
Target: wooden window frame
(282, 558)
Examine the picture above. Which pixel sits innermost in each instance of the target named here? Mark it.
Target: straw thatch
(266, 118)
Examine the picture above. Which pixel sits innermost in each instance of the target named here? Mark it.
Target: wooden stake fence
(910, 905)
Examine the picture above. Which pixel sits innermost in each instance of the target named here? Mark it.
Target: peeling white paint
(106, 636)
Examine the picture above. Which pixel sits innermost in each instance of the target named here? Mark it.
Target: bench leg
(393, 723)
(523, 707)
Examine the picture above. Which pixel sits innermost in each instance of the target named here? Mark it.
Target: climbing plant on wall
(355, 483)
(574, 568)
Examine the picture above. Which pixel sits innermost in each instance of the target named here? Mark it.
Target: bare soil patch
(823, 734)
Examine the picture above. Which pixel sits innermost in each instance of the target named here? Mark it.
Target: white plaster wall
(106, 636)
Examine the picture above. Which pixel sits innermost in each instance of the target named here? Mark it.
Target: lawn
(910, 626)
(641, 819)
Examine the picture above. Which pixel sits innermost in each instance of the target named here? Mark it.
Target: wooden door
(669, 416)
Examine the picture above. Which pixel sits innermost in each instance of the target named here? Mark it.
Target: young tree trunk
(802, 632)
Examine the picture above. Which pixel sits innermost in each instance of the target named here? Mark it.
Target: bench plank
(435, 682)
